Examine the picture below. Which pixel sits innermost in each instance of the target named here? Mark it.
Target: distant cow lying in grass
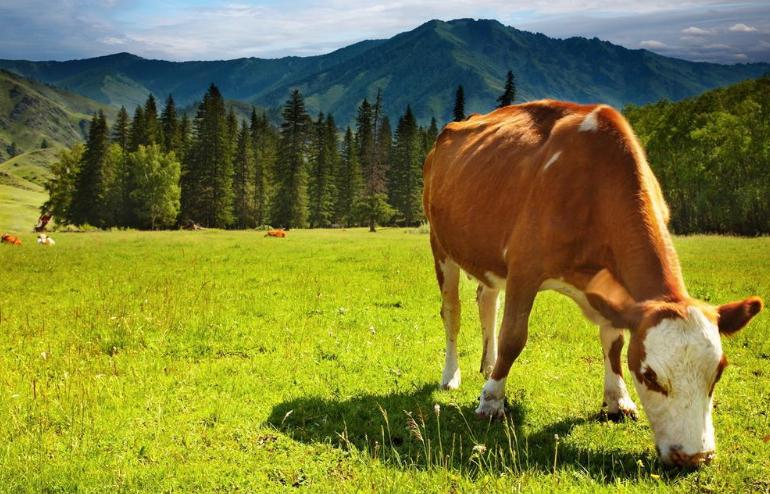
(557, 196)
(10, 239)
(44, 239)
(278, 233)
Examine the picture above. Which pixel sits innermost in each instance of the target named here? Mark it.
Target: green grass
(226, 361)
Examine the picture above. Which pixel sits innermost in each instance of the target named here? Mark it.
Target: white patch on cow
(494, 281)
(487, 301)
(505, 252)
(553, 158)
(450, 313)
(684, 354)
(492, 402)
(591, 122)
(615, 392)
(577, 295)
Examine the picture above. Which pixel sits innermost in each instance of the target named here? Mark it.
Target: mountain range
(421, 68)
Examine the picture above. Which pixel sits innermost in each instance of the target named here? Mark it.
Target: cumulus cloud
(742, 28)
(652, 43)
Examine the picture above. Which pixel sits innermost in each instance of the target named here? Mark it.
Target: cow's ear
(736, 315)
(612, 301)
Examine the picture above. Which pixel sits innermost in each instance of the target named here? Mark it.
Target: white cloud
(742, 28)
(740, 56)
(652, 44)
(692, 30)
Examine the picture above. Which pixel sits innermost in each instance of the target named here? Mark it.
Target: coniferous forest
(159, 169)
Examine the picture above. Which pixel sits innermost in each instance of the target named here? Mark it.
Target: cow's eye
(651, 381)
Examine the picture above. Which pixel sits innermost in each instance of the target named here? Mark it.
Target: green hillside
(32, 113)
(421, 67)
(712, 157)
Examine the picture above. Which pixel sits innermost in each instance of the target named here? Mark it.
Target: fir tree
(459, 109)
(321, 184)
(349, 181)
(170, 126)
(153, 128)
(243, 180)
(90, 188)
(291, 201)
(138, 135)
(264, 144)
(185, 136)
(431, 135)
(121, 131)
(406, 178)
(509, 93)
(207, 194)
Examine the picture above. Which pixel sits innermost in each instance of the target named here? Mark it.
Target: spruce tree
(185, 136)
(121, 131)
(138, 135)
(170, 125)
(264, 149)
(407, 175)
(154, 130)
(431, 135)
(372, 205)
(207, 193)
(321, 184)
(349, 181)
(459, 109)
(90, 188)
(509, 93)
(291, 201)
(243, 180)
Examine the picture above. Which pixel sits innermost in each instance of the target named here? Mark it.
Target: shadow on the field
(404, 430)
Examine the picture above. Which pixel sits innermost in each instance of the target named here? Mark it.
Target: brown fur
(278, 233)
(594, 218)
(10, 239)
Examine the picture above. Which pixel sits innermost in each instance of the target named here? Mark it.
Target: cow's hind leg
(448, 275)
(486, 298)
(619, 404)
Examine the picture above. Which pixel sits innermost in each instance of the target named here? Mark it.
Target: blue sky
(715, 31)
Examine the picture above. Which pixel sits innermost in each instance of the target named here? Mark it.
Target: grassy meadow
(226, 361)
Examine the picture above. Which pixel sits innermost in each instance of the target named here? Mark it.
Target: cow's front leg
(519, 297)
(616, 398)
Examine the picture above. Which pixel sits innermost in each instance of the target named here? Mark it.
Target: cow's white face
(678, 365)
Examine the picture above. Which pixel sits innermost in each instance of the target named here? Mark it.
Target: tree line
(711, 154)
(162, 169)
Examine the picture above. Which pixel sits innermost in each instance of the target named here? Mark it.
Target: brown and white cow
(553, 195)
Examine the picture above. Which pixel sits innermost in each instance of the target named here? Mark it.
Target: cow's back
(539, 175)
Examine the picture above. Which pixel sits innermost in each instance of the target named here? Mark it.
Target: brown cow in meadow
(278, 233)
(557, 196)
(10, 239)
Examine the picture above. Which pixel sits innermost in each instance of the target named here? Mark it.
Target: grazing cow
(42, 222)
(278, 233)
(44, 239)
(552, 195)
(10, 239)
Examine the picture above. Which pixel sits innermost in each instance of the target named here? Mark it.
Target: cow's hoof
(491, 409)
(620, 415)
(450, 380)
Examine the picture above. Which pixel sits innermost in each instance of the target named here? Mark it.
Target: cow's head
(675, 357)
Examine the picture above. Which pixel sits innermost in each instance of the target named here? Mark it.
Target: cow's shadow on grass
(404, 430)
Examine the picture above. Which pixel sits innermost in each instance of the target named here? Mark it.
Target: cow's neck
(647, 264)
